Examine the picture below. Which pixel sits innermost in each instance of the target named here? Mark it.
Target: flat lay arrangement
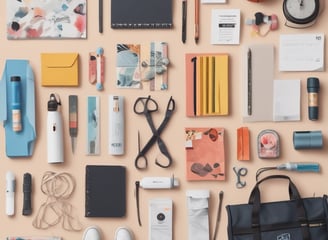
(163, 119)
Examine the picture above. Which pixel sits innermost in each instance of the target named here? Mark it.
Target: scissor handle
(137, 164)
(170, 105)
(169, 110)
(146, 103)
(167, 165)
(162, 147)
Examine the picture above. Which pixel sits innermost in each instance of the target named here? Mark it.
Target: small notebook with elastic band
(105, 191)
(141, 14)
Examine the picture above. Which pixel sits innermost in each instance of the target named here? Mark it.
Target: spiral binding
(142, 25)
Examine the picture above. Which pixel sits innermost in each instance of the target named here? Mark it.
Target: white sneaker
(123, 233)
(91, 233)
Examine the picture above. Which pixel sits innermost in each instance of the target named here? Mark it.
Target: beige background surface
(308, 183)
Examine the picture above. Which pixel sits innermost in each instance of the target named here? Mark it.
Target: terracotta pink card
(205, 158)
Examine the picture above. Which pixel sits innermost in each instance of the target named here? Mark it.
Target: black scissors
(241, 172)
(146, 106)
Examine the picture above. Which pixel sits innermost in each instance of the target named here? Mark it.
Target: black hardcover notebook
(141, 13)
(105, 191)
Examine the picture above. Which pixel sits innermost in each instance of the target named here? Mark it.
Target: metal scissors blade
(141, 156)
(156, 133)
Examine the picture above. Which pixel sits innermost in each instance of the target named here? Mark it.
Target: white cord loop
(58, 188)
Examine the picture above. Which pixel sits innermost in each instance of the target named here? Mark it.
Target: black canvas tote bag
(294, 219)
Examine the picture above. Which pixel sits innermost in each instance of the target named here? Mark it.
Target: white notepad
(301, 52)
(286, 100)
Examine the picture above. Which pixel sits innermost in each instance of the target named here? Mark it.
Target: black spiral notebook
(105, 191)
(141, 14)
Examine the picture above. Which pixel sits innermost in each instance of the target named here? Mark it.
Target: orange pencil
(196, 21)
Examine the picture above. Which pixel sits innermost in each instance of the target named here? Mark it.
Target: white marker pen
(158, 182)
(100, 69)
(10, 193)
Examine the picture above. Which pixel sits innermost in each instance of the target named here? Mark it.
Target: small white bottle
(159, 182)
(116, 125)
(10, 193)
(55, 141)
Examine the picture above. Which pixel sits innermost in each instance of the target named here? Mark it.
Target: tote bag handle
(292, 189)
(255, 200)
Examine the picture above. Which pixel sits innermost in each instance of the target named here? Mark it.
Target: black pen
(100, 15)
(184, 20)
(249, 81)
(194, 60)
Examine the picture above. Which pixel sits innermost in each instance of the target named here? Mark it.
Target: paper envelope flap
(60, 60)
(198, 193)
(60, 69)
(197, 199)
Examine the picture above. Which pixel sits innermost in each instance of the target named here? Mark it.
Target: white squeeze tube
(116, 125)
(10, 193)
(159, 182)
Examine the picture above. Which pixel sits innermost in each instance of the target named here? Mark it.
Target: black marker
(184, 20)
(194, 60)
(100, 15)
(249, 82)
(27, 190)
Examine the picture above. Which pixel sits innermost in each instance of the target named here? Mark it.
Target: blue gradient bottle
(16, 103)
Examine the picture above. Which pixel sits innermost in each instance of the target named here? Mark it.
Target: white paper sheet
(286, 100)
(301, 52)
(225, 26)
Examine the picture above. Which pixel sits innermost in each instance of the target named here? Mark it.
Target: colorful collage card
(142, 66)
(37, 19)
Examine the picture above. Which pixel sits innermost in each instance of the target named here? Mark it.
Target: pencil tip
(196, 40)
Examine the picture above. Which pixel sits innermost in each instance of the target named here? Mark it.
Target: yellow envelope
(59, 69)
